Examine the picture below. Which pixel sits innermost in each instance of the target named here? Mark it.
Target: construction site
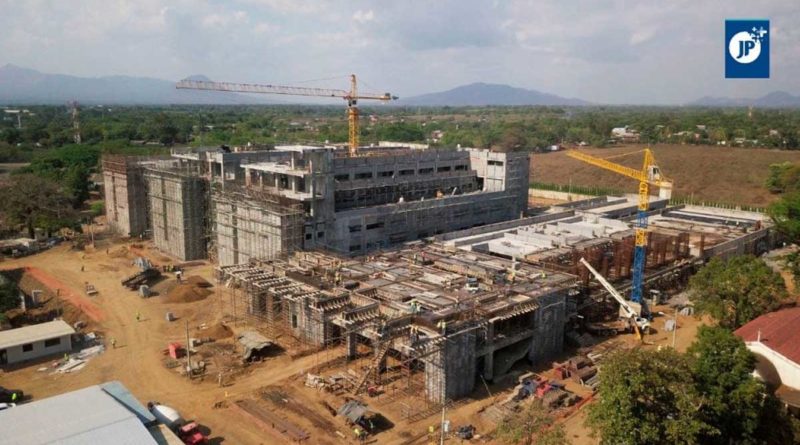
(401, 283)
(392, 293)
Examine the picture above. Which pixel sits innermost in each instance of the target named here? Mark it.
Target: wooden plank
(267, 420)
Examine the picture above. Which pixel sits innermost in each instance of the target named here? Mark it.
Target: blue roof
(119, 392)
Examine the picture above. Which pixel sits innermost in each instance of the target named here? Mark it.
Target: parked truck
(188, 432)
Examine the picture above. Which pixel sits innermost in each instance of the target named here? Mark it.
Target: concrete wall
(17, 354)
(178, 213)
(361, 230)
(561, 196)
(450, 372)
(248, 230)
(126, 201)
(755, 243)
(549, 321)
(774, 368)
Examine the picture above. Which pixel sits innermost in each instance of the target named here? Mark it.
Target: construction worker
(14, 396)
(138, 316)
(114, 343)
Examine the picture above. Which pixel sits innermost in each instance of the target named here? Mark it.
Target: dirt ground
(720, 174)
(138, 360)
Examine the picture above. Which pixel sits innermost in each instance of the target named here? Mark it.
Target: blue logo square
(747, 49)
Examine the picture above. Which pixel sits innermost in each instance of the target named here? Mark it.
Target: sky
(615, 52)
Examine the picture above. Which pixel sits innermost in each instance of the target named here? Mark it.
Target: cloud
(600, 50)
(364, 16)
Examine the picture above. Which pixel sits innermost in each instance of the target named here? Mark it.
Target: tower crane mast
(352, 97)
(649, 175)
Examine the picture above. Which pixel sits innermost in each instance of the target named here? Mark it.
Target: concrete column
(277, 181)
(488, 366)
(350, 346)
(294, 183)
(488, 359)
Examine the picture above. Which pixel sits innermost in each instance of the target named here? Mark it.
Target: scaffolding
(178, 209)
(252, 224)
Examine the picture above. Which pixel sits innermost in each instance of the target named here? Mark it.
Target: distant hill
(26, 86)
(481, 94)
(776, 99)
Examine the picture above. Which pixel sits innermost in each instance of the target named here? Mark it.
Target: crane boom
(649, 175)
(352, 97)
(629, 312)
(638, 324)
(639, 175)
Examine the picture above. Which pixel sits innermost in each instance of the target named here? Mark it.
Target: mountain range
(20, 85)
(775, 99)
(26, 86)
(484, 94)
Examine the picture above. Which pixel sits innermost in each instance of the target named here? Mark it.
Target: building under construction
(258, 204)
(444, 318)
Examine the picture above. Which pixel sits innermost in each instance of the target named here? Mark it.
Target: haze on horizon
(601, 51)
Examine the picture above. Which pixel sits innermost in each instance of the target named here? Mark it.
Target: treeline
(47, 127)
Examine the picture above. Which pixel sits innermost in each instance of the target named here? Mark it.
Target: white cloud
(364, 16)
(600, 50)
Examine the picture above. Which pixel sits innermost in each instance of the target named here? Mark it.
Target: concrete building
(99, 414)
(35, 342)
(261, 204)
(178, 203)
(459, 315)
(125, 195)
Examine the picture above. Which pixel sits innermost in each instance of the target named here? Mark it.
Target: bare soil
(138, 360)
(710, 173)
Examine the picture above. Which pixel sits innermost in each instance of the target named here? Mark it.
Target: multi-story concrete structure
(264, 203)
(459, 314)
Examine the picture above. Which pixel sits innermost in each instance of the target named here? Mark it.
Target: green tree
(9, 295)
(76, 183)
(532, 425)
(737, 290)
(735, 403)
(775, 180)
(32, 201)
(646, 397)
(785, 212)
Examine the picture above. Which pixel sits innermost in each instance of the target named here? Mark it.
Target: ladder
(380, 353)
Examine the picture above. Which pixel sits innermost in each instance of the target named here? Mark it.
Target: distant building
(35, 342)
(775, 340)
(625, 134)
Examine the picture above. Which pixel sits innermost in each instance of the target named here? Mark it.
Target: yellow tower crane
(649, 175)
(352, 97)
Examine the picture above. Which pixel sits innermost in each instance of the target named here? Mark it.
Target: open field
(717, 174)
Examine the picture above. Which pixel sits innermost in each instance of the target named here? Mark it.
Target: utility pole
(675, 328)
(188, 352)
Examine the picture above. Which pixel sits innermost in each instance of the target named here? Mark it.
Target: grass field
(706, 173)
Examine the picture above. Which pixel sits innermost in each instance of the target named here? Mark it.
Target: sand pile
(198, 281)
(217, 331)
(186, 293)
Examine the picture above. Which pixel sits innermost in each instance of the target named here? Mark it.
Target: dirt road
(137, 360)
